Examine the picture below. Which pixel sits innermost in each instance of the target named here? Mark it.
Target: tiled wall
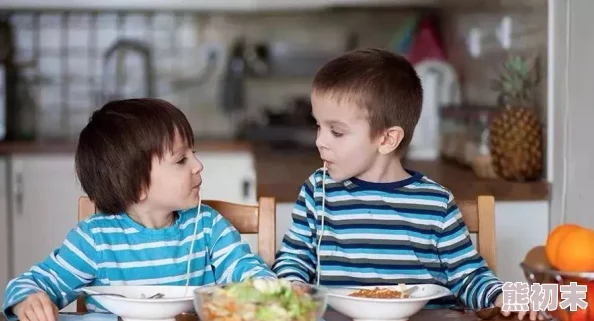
(64, 60)
(62, 56)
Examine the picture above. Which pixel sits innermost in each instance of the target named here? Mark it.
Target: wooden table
(429, 315)
(424, 315)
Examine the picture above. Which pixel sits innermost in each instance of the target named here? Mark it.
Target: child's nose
(320, 142)
(197, 166)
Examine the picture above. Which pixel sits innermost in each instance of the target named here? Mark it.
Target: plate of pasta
(383, 302)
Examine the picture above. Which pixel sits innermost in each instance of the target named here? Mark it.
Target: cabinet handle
(246, 188)
(19, 193)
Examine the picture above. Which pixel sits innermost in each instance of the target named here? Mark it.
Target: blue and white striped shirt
(116, 250)
(409, 231)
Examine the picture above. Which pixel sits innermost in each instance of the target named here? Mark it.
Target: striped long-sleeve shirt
(409, 231)
(116, 250)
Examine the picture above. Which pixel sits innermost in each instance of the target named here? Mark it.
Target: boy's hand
(533, 315)
(36, 307)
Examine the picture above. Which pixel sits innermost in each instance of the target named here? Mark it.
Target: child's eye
(336, 134)
(182, 160)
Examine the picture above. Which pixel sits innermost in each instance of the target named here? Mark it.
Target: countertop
(280, 173)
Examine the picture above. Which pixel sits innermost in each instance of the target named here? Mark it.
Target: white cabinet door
(228, 176)
(519, 226)
(4, 235)
(44, 196)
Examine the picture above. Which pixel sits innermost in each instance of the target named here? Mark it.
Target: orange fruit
(575, 251)
(579, 315)
(554, 240)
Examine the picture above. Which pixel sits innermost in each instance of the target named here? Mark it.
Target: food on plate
(381, 293)
(260, 299)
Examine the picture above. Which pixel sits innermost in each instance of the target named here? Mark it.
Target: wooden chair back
(248, 219)
(479, 217)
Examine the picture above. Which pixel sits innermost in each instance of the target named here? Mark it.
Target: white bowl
(136, 308)
(368, 309)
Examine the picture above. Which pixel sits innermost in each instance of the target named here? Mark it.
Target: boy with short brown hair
(364, 219)
(135, 160)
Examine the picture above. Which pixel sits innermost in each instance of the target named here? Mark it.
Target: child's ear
(143, 194)
(391, 139)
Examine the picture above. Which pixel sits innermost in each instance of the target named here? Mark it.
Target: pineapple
(515, 134)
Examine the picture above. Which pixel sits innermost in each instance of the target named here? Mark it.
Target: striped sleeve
(230, 256)
(296, 260)
(60, 275)
(469, 277)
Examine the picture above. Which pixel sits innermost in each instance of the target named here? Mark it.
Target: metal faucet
(121, 47)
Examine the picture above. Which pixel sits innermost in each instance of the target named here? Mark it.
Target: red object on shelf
(426, 43)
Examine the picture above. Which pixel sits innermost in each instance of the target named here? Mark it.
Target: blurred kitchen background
(242, 71)
(240, 74)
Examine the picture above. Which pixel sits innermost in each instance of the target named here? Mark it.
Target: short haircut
(116, 148)
(385, 84)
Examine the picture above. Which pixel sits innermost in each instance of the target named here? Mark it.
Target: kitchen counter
(281, 173)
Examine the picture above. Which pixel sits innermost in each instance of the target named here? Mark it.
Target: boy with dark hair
(363, 219)
(135, 161)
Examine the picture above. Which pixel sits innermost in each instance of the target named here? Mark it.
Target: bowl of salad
(262, 300)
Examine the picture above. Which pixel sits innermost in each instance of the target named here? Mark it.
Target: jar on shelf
(453, 132)
(477, 153)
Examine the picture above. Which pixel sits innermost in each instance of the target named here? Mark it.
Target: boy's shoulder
(208, 215)
(100, 220)
(97, 225)
(425, 183)
(205, 211)
(317, 176)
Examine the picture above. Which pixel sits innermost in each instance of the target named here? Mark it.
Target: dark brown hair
(385, 84)
(116, 148)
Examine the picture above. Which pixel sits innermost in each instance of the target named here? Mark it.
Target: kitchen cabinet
(44, 194)
(229, 176)
(519, 227)
(4, 235)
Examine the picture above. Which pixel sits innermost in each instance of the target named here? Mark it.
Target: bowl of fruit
(561, 274)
